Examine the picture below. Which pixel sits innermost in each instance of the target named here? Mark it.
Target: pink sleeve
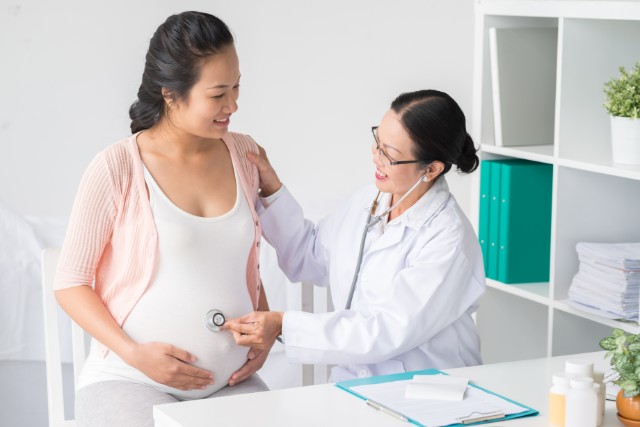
(90, 226)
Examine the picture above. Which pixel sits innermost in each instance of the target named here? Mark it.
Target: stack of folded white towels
(608, 280)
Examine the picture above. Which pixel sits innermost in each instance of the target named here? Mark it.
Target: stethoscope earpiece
(214, 319)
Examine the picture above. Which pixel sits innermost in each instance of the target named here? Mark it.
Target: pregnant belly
(179, 320)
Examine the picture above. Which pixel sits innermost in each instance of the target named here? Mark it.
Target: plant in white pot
(623, 104)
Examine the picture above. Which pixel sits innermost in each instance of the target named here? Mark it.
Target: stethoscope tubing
(371, 221)
(359, 262)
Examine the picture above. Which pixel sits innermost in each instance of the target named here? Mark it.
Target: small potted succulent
(624, 350)
(623, 104)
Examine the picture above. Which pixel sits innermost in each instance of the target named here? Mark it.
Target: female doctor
(402, 261)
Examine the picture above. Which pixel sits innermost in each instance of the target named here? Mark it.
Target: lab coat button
(363, 373)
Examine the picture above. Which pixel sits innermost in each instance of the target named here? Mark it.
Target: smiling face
(212, 99)
(396, 143)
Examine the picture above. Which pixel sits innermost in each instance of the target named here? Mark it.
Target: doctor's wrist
(267, 191)
(267, 200)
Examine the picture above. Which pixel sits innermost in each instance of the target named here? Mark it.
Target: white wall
(316, 76)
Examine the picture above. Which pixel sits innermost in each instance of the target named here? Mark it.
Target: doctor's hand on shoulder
(258, 329)
(269, 181)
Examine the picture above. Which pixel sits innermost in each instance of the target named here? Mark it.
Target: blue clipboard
(347, 386)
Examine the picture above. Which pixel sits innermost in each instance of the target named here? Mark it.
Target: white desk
(526, 382)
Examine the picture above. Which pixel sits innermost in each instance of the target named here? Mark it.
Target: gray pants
(130, 404)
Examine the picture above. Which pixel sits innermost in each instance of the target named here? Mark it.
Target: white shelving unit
(593, 199)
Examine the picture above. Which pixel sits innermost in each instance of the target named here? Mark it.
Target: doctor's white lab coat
(421, 277)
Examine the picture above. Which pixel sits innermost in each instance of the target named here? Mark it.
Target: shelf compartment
(591, 53)
(565, 306)
(511, 327)
(589, 211)
(523, 66)
(485, 129)
(574, 333)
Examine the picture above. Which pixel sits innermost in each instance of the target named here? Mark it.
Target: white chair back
(55, 395)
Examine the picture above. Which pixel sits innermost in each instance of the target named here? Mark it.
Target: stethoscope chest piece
(214, 320)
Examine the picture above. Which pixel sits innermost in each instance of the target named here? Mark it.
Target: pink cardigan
(111, 236)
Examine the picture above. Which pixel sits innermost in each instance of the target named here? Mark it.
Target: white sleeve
(268, 201)
(424, 298)
(302, 248)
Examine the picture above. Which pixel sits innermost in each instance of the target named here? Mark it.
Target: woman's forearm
(84, 306)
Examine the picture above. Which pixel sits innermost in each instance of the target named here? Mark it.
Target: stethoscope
(371, 221)
(214, 319)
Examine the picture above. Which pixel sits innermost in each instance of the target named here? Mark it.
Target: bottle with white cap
(557, 399)
(596, 388)
(579, 367)
(582, 403)
(598, 378)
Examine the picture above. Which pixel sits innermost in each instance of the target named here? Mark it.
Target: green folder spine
(494, 220)
(525, 222)
(483, 220)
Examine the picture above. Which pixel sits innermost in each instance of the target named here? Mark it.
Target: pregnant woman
(163, 230)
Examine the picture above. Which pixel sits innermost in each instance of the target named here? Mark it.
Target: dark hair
(176, 53)
(437, 127)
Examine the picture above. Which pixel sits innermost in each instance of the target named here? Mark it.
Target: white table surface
(526, 382)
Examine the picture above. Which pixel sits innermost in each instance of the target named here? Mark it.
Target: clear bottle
(582, 403)
(557, 399)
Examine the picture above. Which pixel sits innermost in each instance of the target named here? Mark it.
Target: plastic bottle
(598, 378)
(596, 388)
(557, 399)
(582, 403)
(579, 368)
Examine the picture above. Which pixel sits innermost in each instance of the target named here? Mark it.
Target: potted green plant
(623, 104)
(624, 350)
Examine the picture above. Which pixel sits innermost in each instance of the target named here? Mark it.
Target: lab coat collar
(422, 211)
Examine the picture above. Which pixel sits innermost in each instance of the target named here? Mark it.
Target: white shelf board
(536, 153)
(630, 327)
(603, 167)
(537, 292)
(625, 9)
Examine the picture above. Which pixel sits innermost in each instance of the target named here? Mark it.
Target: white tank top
(201, 265)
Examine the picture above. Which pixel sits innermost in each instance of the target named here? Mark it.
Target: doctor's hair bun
(176, 52)
(468, 160)
(437, 127)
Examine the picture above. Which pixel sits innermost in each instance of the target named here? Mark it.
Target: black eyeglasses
(385, 157)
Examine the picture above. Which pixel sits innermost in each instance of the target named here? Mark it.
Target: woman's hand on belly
(168, 365)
